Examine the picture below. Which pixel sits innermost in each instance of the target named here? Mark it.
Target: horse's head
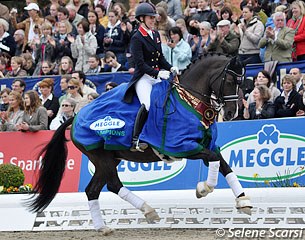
(214, 79)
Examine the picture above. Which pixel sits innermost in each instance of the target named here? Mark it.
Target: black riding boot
(138, 126)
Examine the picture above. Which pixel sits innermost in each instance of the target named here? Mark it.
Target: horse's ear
(237, 69)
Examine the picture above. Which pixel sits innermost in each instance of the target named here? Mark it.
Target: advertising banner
(22, 149)
(262, 153)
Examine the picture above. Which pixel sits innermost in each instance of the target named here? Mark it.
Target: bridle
(219, 99)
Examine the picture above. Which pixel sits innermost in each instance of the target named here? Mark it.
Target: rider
(150, 67)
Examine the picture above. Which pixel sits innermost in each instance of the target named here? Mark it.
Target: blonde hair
(5, 24)
(299, 4)
(289, 78)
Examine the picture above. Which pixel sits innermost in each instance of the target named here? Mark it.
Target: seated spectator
(48, 100)
(223, 40)
(75, 92)
(47, 69)
(3, 70)
(190, 10)
(17, 71)
(204, 13)
(83, 46)
(81, 6)
(14, 115)
(63, 15)
(92, 96)
(7, 42)
(81, 77)
(94, 65)
(74, 17)
(66, 65)
(178, 53)
(278, 40)
(290, 101)
(19, 85)
(67, 111)
(297, 74)
(264, 78)
(35, 116)
(28, 64)
(64, 87)
(121, 10)
(102, 16)
(226, 14)
(250, 31)
(19, 39)
(111, 60)
(34, 19)
(261, 108)
(162, 21)
(63, 46)
(4, 99)
(110, 85)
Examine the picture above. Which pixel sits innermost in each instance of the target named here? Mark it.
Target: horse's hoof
(202, 189)
(150, 213)
(105, 231)
(244, 204)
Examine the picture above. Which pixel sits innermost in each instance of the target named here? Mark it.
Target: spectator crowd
(77, 37)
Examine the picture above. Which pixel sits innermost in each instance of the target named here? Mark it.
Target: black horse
(205, 86)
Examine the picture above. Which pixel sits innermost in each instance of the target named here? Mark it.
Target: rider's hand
(163, 74)
(174, 70)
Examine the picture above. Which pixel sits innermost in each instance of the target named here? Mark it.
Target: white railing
(272, 208)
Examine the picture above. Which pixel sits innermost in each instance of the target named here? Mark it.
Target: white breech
(143, 88)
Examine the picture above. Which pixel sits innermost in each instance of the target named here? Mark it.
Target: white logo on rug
(107, 123)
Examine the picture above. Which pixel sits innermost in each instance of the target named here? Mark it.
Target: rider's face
(150, 21)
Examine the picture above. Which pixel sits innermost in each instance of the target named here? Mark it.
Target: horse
(202, 89)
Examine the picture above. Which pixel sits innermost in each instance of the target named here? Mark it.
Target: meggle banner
(22, 149)
(262, 153)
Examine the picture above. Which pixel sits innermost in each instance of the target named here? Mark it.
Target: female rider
(149, 61)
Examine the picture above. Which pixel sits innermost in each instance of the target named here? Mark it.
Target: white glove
(163, 74)
(174, 70)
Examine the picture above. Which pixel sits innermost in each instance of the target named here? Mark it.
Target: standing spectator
(186, 35)
(174, 9)
(223, 40)
(14, 114)
(94, 65)
(74, 17)
(28, 24)
(226, 14)
(47, 69)
(83, 46)
(114, 37)
(81, 6)
(205, 13)
(190, 10)
(63, 15)
(264, 78)
(66, 65)
(297, 23)
(28, 64)
(102, 16)
(290, 101)
(45, 47)
(297, 74)
(7, 42)
(81, 78)
(67, 111)
(98, 31)
(179, 53)
(162, 22)
(278, 40)
(35, 116)
(48, 100)
(62, 46)
(17, 71)
(19, 40)
(250, 31)
(121, 10)
(19, 85)
(4, 99)
(111, 60)
(261, 108)
(204, 40)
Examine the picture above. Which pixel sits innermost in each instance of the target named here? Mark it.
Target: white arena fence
(282, 208)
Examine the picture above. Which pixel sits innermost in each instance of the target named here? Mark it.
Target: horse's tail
(52, 169)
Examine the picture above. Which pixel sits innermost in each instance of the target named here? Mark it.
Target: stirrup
(137, 146)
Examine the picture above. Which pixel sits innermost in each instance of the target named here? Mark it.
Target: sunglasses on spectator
(65, 105)
(71, 87)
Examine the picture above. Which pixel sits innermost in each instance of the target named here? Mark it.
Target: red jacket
(299, 38)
